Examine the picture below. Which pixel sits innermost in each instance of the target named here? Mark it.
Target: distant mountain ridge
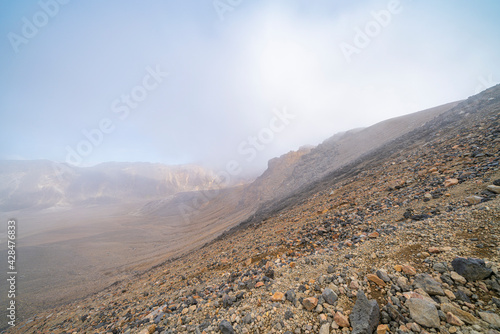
(43, 184)
(294, 170)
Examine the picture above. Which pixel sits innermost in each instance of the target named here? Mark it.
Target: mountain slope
(307, 166)
(388, 227)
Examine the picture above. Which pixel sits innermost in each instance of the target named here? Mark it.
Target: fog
(213, 82)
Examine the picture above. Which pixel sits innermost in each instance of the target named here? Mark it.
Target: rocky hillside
(292, 171)
(403, 240)
(44, 184)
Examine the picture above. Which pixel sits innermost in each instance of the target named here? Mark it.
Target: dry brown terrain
(64, 255)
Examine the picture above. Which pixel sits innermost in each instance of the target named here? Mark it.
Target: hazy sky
(208, 81)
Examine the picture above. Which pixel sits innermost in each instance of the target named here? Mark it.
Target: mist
(220, 84)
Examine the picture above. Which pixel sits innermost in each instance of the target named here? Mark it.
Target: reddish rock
(278, 297)
(341, 320)
(434, 250)
(382, 329)
(310, 303)
(375, 279)
(409, 270)
(453, 320)
(450, 182)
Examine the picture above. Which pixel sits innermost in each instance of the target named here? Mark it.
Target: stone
(461, 314)
(329, 296)
(453, 320)
(382, 274)
(149, 330)
(375, 279)
(290, 296)
(423, 312)
(440, 267)
(449, 294)
(365, 315)
(278, 297)
(324, 329)
(259, 284)
(225, 327)
(428, 284)
(375, 234)
(413, 326)
(398, 267)
(341, 320)
(402, 282)
(330, 269)
(382, 329)
(491, 318)
(493, 188)
(310, 303)
(435, 250)
(471, 269)
(473, 200)
(247, 319)
(354, 285)
(409, 270)
(457, 278)
(450, 182)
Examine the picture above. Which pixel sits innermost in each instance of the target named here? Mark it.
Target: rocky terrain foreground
(404, 240)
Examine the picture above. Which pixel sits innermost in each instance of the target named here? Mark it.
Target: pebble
(310, 303)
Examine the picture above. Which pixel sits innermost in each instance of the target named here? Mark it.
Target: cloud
(226, 77)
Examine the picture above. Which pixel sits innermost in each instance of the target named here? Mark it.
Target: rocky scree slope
(406, 240)
(296, 170)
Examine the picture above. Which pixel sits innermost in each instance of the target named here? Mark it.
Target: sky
(227, 82)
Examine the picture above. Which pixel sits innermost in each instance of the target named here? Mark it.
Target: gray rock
(428, 284)
(402, 282)
(460, 295)
(248, 318)
(423, 312)
(446, 278)
(472, 200)
(225, 327)
(382, 274)
(440, 267)
(365, 315)
(329, 296)
(324, 329)
(331, 269)
(493, 188)
(472, 269)
(290, 296)
(491, 318)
